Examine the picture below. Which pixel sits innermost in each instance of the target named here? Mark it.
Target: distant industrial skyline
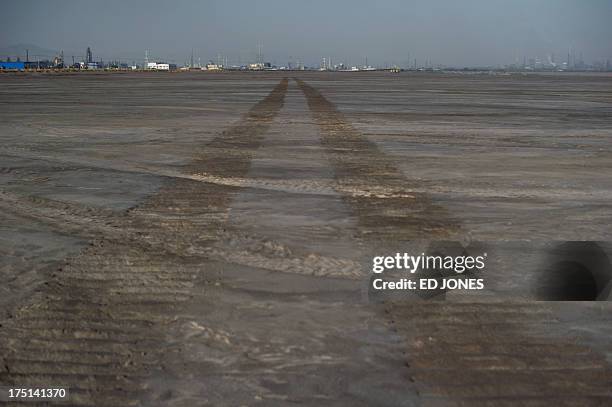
(46, 58)
(437, 32)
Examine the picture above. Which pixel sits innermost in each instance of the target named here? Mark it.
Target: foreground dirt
(231, 271)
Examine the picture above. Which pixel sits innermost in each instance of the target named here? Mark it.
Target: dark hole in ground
(575, 271)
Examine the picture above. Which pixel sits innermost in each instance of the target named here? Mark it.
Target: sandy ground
(193, 239)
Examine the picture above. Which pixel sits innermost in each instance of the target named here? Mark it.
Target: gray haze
(449, 32)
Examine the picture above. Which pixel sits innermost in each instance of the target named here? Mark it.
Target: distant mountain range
(19, 50)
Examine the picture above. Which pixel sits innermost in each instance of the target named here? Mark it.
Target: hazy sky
(451, 32)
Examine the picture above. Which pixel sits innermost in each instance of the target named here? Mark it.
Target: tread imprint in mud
(484, 354)
(98, 321)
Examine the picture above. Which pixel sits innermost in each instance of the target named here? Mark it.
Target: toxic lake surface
(186, 239)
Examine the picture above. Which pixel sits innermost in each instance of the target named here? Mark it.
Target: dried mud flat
(203, 239)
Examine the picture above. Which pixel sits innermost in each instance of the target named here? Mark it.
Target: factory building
(14, 66)
(89, 65)
(159, 66)
(213, 67)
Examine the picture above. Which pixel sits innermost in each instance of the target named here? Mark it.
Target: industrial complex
(572, 63)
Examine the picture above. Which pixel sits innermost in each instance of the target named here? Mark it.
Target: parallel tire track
(98, 323)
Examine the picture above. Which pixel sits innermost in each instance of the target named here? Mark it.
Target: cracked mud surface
(212, 249)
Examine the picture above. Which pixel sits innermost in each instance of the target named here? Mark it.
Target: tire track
(458, 354)
(126, 226)
(359, 165)
(98, 323)
(464, 354)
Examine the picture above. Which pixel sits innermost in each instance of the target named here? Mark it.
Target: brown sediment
(97, 324)
(393, 210)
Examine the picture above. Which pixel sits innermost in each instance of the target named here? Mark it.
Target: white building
(213, 67)
(256, 67)
(158, 66)
(90, 65)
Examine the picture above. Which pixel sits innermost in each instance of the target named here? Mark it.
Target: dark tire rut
(98, 322)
